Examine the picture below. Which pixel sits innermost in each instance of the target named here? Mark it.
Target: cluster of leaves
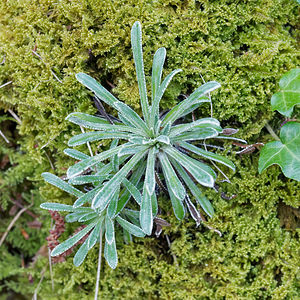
(286, 151)
(157, 146)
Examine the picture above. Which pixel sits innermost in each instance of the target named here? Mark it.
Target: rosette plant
(144, 150)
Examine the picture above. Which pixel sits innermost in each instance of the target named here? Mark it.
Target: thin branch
(15, 116)
(14, 220)
(271, 131)
(35, 53)
(51, 271)
(4, 137)
(99, 267)
(39, 284)
(5, 84)
(173, 255)
(88, 143)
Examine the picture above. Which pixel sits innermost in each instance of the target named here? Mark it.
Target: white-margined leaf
(135, 178)
(109, 230)
(198, 124)
(131, 228)
(146, 216)
(112, 206)
(91, 161)
(83, 138)
(102, 198)
(95, 234)
(177, 204)
(157, 68)
(204, 174)
(180, 108)
(200, 134)
(81, 254)
(70, 242)
(57, 207)
(56, 181)
(75, 154)
(88, 216)
(84, 179)
(133, 191)
(74, 217)
(163, 139)
(202, 200)
(150, 171)
(110, 254)
(231, 138)
(87, 197)
(159, 94)
(209, 155)
(136, 43)
(171, 177)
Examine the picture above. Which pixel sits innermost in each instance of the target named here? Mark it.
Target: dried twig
(14, 220)
(271, 131)
(88, 143)
(35, 53)
(173, 255)
(15, 116)
(5, 84)
(4, 137)
(39, 284)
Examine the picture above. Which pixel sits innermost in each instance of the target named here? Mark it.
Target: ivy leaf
(289, 96)
(285, 153)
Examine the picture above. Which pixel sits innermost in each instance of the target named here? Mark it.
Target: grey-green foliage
(152, 146)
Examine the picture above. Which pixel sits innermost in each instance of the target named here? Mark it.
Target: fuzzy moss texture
(244, 45)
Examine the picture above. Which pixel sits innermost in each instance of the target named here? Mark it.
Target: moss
(246, 46)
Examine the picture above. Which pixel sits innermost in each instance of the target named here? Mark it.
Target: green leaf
(70, 218)
(56, 181)
(112, 206)
(84, 179)
(289, 96)
(177, 204)
(202, 200)
(91, 161)
(57, 207)
(199, 124)
(180, 108)
(87, 197)
(133, 191)
(132, 229)
(154, 204)
(110, 254)
(160, 93)
(204, 174)
(109, 230)
(70, 242)
(200, 134)
(157, 68)
(83, 138)
(136, 43)
(102, 198)
(93, 122)
(81, 254)
(75, 154)
(88, 216)
(135, 178)
(150, 171)
(209, 155)
(146, 217)
(170, 176)
(285, 153)
(95, 234)
(111, 100)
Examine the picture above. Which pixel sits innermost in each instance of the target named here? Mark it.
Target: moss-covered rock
(244, 45)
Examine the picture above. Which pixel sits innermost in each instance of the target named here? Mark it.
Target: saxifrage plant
(285, 152)
(155, 146)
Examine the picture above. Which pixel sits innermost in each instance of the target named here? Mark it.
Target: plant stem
(99, 266)
(271, 131)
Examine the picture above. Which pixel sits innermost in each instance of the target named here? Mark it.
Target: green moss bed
(244, 45)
